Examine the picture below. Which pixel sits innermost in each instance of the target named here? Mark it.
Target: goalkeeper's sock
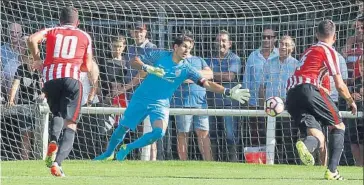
(336, 148)
(312, 143)
(65, 145)
(147, 139)
(56, 128)
(116, 138)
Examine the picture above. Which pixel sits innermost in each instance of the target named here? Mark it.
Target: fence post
(270, 139)
(41, 133)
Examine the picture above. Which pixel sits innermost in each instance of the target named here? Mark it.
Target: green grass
(170, 172)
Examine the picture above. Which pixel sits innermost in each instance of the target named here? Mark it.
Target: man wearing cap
(141, 46)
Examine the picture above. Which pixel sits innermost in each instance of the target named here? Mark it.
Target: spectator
(191, 95)
(27, 84)
(253, 75)
(10, 53)
(344, 73)
(87, 128)
(353, 50)
(113, 71)
(142, 45)
(276, 73)
(113, 78)
(226, 67)
(356, 126)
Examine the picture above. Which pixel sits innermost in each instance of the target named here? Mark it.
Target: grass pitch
(170, 172)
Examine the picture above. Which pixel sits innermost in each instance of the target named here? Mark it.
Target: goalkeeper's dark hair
(182, 38)
(69, 16)
(187, 33)
(326, 28)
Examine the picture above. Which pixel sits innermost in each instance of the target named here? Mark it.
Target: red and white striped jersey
(66, 50)
(318, 61)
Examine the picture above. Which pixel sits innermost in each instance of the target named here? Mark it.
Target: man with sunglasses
(252, 80)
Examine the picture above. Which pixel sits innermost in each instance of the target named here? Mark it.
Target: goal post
(271, 123)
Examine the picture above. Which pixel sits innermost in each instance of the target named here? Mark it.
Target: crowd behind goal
(265, 73)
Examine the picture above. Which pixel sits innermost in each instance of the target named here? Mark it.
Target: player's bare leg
(315, 139)
(159, 129)
(65, 147)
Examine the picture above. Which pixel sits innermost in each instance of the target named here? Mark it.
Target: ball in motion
(273, 106)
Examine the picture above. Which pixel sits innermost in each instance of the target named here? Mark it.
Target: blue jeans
(229, 125)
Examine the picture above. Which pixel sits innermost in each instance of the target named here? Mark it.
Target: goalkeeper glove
(241, 95)
(153, 70)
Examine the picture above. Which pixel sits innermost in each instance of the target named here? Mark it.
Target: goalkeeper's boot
(56, 170)
(333, 176)
(122, 153)
(51, 154)
(305, 155)
(105, 156)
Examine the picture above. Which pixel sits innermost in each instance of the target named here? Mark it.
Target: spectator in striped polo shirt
(226, 67)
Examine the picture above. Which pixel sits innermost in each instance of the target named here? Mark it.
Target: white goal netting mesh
(106, 21)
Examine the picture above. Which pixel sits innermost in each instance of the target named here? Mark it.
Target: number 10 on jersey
(65, 46)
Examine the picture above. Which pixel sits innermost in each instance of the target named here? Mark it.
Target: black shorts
(311, 107)
(64, 97)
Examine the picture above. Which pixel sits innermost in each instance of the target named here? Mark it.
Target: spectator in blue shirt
(10, 53)
(253, 75)
(344, 73)
(191, 95)
(142, 45)
(276, 74)
(226, 67)
(252, 80)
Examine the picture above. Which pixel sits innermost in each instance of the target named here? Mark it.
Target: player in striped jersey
(68, 52)
(310, 106)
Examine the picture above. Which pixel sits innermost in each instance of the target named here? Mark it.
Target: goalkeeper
(165, 72)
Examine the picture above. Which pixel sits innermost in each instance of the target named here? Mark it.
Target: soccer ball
(273, 106)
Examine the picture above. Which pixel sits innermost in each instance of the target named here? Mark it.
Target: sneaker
(104, 156)
(56, 170)
(333, 176)
(51, 154)
(305, 155)
(123, 152)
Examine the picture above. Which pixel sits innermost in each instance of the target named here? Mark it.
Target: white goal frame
(270, 137)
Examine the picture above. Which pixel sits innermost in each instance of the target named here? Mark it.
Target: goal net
(235, 132)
